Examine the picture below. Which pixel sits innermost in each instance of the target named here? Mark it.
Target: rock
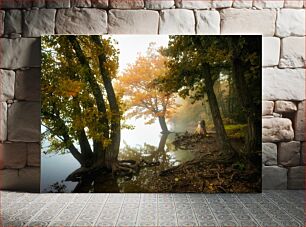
(7, 82)
(99, 3)
(293, 52)
(27, 84)
(39, 22)
(55, 4)
(24, 122)
(274, 177)
(289, 154)
(299, 122)
(178, 21)
(13, 155)
(208, 22)
(2, 15)
(126, 4)
(303, 160)
(81, 21)
(156, 5)
(242, 4)
(3, 121)
(248, 21)
(277, 129)
(80, 3)
(39, 3)
(267, 107)
(291, 82)
(15, 4)
(290, 22)
(296, 178)
(191, 4)
(261, 4)
(222, 4)
(26, 179)
(269, 154)
(33, 154)
(293, 4)
(133, 22)
(271, 51)
(285, 107)
(20, 53)
(13, 21)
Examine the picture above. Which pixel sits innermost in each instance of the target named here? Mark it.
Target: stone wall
(281, 22)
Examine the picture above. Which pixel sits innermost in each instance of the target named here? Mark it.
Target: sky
(131, 45)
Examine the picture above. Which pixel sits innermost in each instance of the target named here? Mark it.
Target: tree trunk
(162, 142)
(251, 109)
(223, 140)
(163, 124)
(112, 151)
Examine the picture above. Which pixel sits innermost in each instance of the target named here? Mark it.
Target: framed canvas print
(151, 113)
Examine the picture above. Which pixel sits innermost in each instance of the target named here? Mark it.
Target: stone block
(293, 52)
(20, 53)
(299, 122)
(26, 179)
(55, 4)
(289, 153)
(262, 4)
(208, 22)
(80, 3)
(292, 82)
(81, 21)
(242, 4)
(13, 21)
(24, 122)
(2, 15)
(13, 155)
(290, 22)
(133, 22)
(269, 154)
(271, 51)
(248, 21)
(126, 4)
(296, 176)
(192, 4)
(15, 4)
(7, 81)
(39, 22)
(267, 107)
(221, 3)
(285, 107)
(159, 4)
(274, 177)
(178, 21)
(293, 3)
(39, 3)
(27, 85)
(99, 3)
(277, 129)
(3, 121)
(33, 158)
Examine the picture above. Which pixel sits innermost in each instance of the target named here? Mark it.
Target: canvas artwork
(151, 113)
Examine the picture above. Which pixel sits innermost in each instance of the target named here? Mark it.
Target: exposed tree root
(119, 168)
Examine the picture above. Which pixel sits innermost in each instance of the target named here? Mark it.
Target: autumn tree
(79, 106)
(195, 63)
(142, 96)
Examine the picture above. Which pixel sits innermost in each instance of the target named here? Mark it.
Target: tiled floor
(271, 208)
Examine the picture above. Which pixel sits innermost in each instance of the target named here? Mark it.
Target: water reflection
(143, 181)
